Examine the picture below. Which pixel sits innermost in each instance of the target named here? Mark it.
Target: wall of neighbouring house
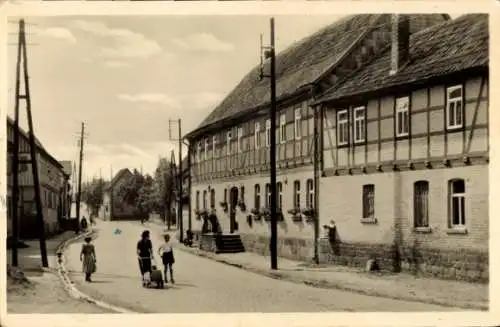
(438, 249)
(295, 238)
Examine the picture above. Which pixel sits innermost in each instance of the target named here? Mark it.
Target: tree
(164, 185)
(92, 194)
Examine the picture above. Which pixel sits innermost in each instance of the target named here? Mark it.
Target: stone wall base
(460, 264)
(290, 248)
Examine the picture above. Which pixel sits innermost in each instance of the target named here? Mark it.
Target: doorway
(233, 202)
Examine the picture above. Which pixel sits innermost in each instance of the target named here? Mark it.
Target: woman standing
(88, 258)
(145, 253)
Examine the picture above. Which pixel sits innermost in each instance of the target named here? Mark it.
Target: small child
(167, 256)
(156, 276)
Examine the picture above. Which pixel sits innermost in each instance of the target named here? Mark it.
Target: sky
(126, 77)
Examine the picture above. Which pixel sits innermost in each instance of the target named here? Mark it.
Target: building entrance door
(233, 202)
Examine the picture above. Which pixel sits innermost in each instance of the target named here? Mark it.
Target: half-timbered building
(53, 186)
(230, 149)
(406, 151)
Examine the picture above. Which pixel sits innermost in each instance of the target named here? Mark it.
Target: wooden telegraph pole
(270, 53)
(79, 192)
(22, 56)
(179, 188)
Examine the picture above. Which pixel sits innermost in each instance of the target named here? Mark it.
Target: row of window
(257, 140)
(456, 203)
(257, 195)
(454, 117)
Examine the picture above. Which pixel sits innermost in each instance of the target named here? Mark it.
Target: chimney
(400, 51)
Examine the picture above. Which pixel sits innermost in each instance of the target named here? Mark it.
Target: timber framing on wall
(400, 160)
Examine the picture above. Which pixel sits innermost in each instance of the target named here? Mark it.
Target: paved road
(203, 285)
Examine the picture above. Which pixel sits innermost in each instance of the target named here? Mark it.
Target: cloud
(127, 43)
(203, 42)
(57, 33)
(116, 64)
(151, 98)
(193, 101)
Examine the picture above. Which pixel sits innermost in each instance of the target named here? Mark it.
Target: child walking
(167, 256)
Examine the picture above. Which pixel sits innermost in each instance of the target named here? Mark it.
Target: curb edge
(71, 288)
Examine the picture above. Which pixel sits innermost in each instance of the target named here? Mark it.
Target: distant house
(113, 207)
(53, 186)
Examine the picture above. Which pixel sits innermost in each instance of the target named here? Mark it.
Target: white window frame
(359, 123)
(404, 112)
(310, 193)
(297, 127)
(279, 192)
(461, 198)
(199, 152)
(205, 155)
(214, 142)
(296, 194)
(268, 195)
(256, 135)
(345, 124)
(240, 137)
(451, 105)
(228, 140)
(421, 204)
(282, 128)
(268, 133)
(256, 196)
(368, 203)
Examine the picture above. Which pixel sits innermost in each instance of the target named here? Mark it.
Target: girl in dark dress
(145, 253)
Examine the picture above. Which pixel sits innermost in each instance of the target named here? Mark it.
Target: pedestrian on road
(88, 258)
(145, 253)
(84, 223)
(167, 256)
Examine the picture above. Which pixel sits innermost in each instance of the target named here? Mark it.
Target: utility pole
(173, 184)
(23, 56)
(179, 198)
(270, 53)
(79, 192)
(316, 182)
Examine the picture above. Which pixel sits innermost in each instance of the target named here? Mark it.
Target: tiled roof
(304, 63)
(39, 144)
(453, 46)
(115, 179)
(296, 66)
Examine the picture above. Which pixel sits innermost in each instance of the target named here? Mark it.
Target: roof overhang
(248, 113)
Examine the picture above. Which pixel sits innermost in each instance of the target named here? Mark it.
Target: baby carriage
(151, 277)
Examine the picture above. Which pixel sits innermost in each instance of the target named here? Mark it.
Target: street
(204, 286)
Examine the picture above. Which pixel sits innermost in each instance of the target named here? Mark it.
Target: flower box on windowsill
(371, 220)
(256, 214)
(295, 214)
(266, 213)
(422, 230)
(242, 206)
(308, 213)
(456, 231)
(223, 206)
